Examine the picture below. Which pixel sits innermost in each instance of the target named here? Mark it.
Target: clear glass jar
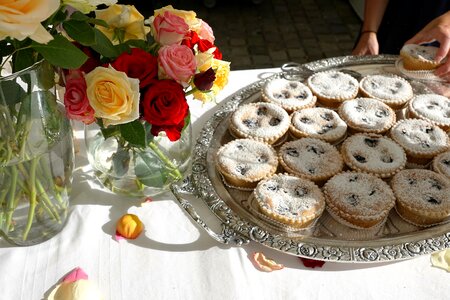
(134, 171)
(36, 156)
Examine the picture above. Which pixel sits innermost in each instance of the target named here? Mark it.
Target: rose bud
(204, 81)
(129, 226)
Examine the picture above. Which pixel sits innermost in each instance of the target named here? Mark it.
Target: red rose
(204, 81)
(138, 64)
(205, 45)
(165, 108)
(191, 40)
(75, 99)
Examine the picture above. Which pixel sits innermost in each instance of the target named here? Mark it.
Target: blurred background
(267, 33)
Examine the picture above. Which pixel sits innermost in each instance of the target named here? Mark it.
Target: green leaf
(61, 53)
(55, 19)
(133, 133)
(79, 16)
(121, 161)
(11, 92)
(148, 134)
(110, 131)
(104, 46)
(98, 22)
(23, 59)
(187, 120)
(149, 169)
(80, 31)
(138, 44)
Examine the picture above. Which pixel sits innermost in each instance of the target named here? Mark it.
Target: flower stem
(11, 197)
(32, 184)
(174, 170)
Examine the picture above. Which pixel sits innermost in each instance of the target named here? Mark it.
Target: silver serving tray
(327, 240)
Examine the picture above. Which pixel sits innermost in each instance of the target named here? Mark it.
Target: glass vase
(36, 156)
(134, 171)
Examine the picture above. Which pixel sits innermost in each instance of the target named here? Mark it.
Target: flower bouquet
(129, 83)
(133, 90)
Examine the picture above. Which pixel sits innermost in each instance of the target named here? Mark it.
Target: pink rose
(169, 29)
(75, 99)
(176, 62)
(205, 32)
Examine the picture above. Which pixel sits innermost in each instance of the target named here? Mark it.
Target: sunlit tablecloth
(174, 259)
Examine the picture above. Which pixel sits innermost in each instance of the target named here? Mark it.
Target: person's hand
(437, 30)
(367, 44)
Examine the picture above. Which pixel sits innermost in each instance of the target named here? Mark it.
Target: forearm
(373, 14)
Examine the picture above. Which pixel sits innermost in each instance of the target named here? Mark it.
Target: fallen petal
(129, 226)
(265, 264)
(78, 290)
(312, 263)
(75, 286)
(441, 259)
(77, 274)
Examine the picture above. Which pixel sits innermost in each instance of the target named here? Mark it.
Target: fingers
(443, 50)
(419, 38)
(444, 70)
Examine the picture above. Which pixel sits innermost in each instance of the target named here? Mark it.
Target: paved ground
(277, 31)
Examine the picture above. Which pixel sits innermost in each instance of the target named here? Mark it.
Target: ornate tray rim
(241, 230)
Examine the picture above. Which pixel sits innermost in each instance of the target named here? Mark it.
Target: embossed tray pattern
(328, 240)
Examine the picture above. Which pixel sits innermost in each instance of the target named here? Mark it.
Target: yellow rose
(86, 6)
(125, 22)
(204, 61)
(190, 17)
(222, 69)
(113, 95)
(22, 19)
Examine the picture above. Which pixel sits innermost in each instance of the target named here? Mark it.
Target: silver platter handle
(227, 236)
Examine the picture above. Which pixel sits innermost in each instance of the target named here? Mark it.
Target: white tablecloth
(174, 259)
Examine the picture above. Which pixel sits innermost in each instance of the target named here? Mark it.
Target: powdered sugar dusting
(422, 189)
(261, 119)
(319, 122)
(288, 93)
(422, 52)
(289, 196)
(311, 157)
(333, 84)
(367, 113)
(374, 153)
(419, 136)
(360, 194)
(247, 159)
(387, 87)
(433, 107)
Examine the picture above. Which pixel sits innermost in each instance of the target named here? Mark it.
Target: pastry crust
(310, 158)
(392, 90)
(423, 196)
(261, 121)
(289, 94)
(333, 87)
(367, 115)
(431, 107)
(291, 200)
(361, 199)
(420, 139)
(318, 122)
(417, 57)
(244, 162)
(374, 154)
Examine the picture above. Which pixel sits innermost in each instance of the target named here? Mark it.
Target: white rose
(86, 6)
(22, 19)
